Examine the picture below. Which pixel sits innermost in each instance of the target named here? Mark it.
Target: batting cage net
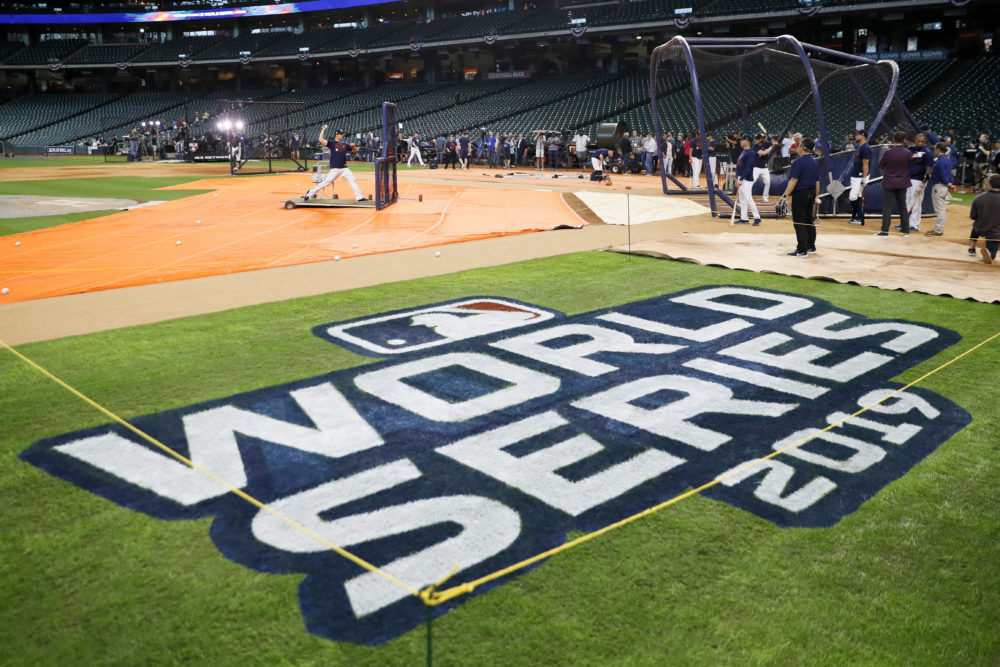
(386, 192)
(263, 137)
(773, 86)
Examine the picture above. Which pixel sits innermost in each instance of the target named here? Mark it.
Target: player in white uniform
(414, 143)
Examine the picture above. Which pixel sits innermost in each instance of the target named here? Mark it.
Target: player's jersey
(745, 164)
(696, 149)
(338, 154)
(918, 168)
(863, 152)
(760, 161)
(464, 145)
(600, 153)
(710, 146)
(806, 170)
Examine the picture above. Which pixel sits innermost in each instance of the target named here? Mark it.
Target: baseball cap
(746, 137)
(338, 131)
(863, 133)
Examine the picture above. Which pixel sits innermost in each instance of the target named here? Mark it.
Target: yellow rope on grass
(431, 596)
(188, 462)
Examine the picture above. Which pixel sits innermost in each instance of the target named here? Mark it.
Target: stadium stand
(32, 112)
(8, 48)
(168, 51)
(315, 40)
(45, 52)
(967, 103)
(738, 7)
(644, 11)
(916, 76)
(105, 54)
(230, 49)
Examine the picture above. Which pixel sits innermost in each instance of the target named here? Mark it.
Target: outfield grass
(53, 161)
(19, 225)
(911, 578)
(139, 188)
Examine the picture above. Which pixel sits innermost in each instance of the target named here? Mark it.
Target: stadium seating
(315, 40)
(230, 49)
(8, 48)
(105, 54)
(43, 53)
(967, 103)
(915, 76)
(168, 51)
(31, 112)
(738, 7)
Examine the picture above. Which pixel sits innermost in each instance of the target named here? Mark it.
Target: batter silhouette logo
(488, 429)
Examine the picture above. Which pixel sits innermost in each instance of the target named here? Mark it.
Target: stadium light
(239, 125)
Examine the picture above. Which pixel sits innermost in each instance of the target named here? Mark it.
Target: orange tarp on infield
(244, 226)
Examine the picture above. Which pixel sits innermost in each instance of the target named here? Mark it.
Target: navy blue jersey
(338, 154)
(919, 166)
(806, 169)
(760, 161)
(452, 145)
(745, 164)
(863, 152)
(696, 149)
(464, 146)
(710, 145)
(941, 173)
(600, 153)
(932, 137)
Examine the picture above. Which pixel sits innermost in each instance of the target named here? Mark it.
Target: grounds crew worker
(338, 165)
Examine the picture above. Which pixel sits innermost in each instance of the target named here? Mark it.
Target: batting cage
(386, 192)
(770, 86)
(263, 137)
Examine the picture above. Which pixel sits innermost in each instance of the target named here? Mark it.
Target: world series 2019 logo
(491, 428)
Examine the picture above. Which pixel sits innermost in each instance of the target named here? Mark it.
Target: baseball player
(463, 150)
(745, 176)
(414, 142)
(763, 149)
(859, 177)
(598, 158)
(338, 165)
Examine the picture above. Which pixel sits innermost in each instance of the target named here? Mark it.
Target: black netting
(742, 85)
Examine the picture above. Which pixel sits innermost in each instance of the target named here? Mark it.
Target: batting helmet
(781, 208)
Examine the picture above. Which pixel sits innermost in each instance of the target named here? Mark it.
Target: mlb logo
(431, 326)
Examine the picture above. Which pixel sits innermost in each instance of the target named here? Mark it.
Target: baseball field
(843, 443)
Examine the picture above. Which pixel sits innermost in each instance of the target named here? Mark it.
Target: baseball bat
(761, 126)
(732, 218)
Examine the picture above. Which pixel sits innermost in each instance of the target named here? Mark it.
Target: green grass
(53, 161)
(139, 188)
(912, 577)
(19, 225)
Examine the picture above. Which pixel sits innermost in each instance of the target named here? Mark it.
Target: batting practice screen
(386, 192)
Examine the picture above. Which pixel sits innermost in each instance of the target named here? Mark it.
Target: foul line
(432, 597)
(188, 462)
